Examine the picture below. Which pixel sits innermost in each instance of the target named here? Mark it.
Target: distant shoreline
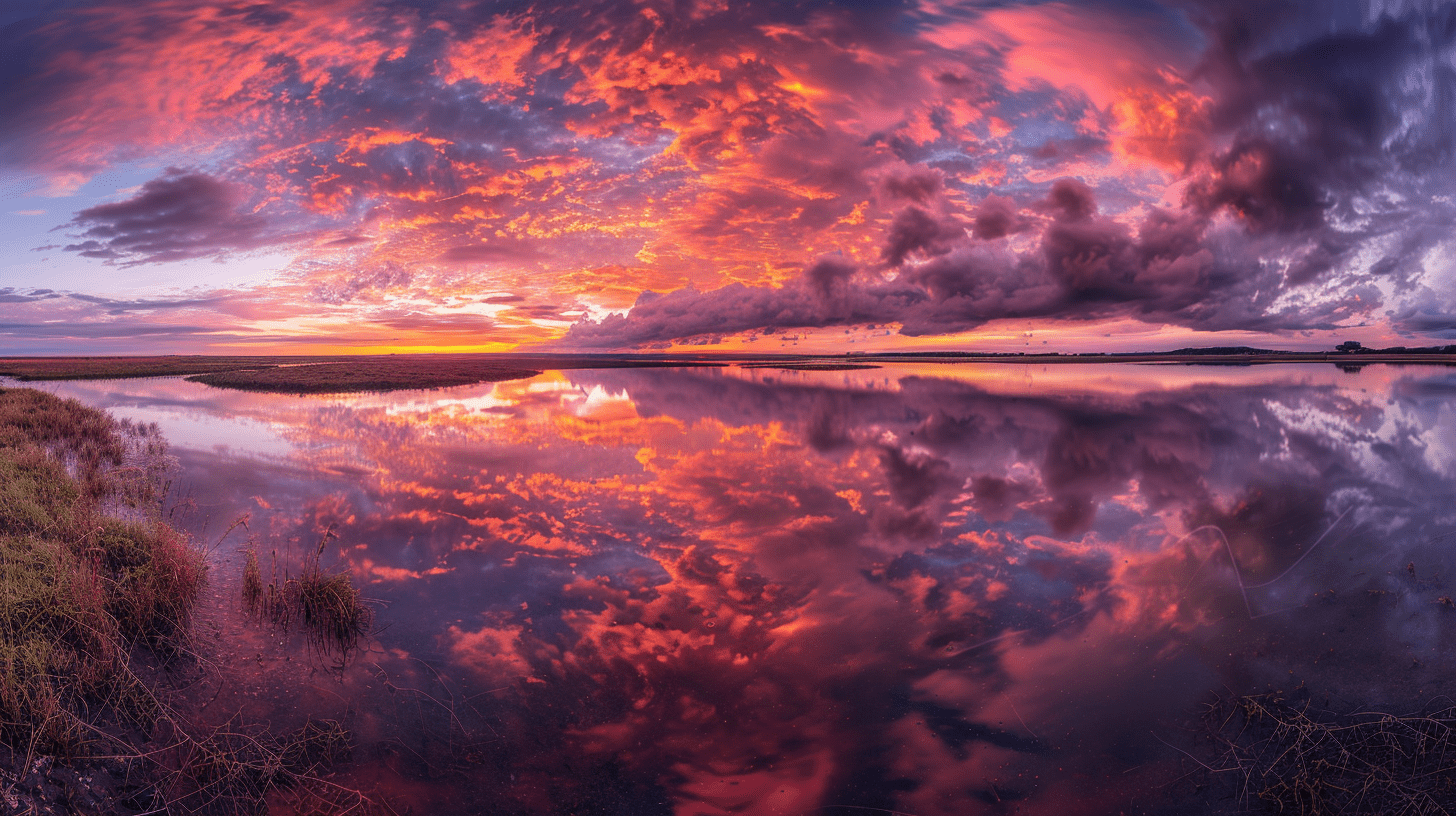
(390, 372)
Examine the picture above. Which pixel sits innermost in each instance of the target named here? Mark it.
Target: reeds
(326, 605)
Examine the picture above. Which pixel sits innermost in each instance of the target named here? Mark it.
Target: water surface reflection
(933, 590)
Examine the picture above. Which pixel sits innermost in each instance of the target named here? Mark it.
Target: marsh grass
(1293, 757)
(325, 604)
(96, 592)
(80, 589)
(107, 368)
(368, 374)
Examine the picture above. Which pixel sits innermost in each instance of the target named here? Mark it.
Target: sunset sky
(402, 175)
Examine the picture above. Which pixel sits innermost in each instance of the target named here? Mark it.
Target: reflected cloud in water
(934, 589)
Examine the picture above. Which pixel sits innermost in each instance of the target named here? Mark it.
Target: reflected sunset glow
(929, 589)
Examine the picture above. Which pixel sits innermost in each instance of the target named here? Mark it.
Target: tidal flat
(921, 587)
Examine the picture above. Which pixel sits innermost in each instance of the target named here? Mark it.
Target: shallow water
(937, 589)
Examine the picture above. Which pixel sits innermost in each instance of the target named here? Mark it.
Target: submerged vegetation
(325, 604)
(1292, 757)
(96, 593)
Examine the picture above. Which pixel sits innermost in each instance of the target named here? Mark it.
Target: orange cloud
(495, 57)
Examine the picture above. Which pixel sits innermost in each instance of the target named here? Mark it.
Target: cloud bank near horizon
(644, 175)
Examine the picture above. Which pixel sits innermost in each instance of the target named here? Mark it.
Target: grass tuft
(252, 582)
(327, 605)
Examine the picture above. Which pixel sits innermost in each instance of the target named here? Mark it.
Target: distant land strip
(111, 368)
(392, 372)
(326, 375)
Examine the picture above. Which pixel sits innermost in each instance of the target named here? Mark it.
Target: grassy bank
(96, 593)
(87, 578)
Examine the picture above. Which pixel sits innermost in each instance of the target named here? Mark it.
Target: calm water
(932, 590)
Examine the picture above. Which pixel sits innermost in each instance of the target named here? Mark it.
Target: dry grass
(1294, 758)
(237, 768)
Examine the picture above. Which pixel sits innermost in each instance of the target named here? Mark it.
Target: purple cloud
(176, 216)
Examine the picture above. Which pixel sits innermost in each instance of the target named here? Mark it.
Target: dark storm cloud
(176, 216)
(1087, 265)
(1269, 187)
(997, 217)
(915, 231)
(1330, 114)
(829, 274)
(1334, 125)
(1429, 321)
(918, 187)
(659, 318)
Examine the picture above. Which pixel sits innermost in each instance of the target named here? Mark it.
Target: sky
(340, 176)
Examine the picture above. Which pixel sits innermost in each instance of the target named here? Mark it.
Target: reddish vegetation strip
(327, 374)
(107, 368)
(367, 374)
